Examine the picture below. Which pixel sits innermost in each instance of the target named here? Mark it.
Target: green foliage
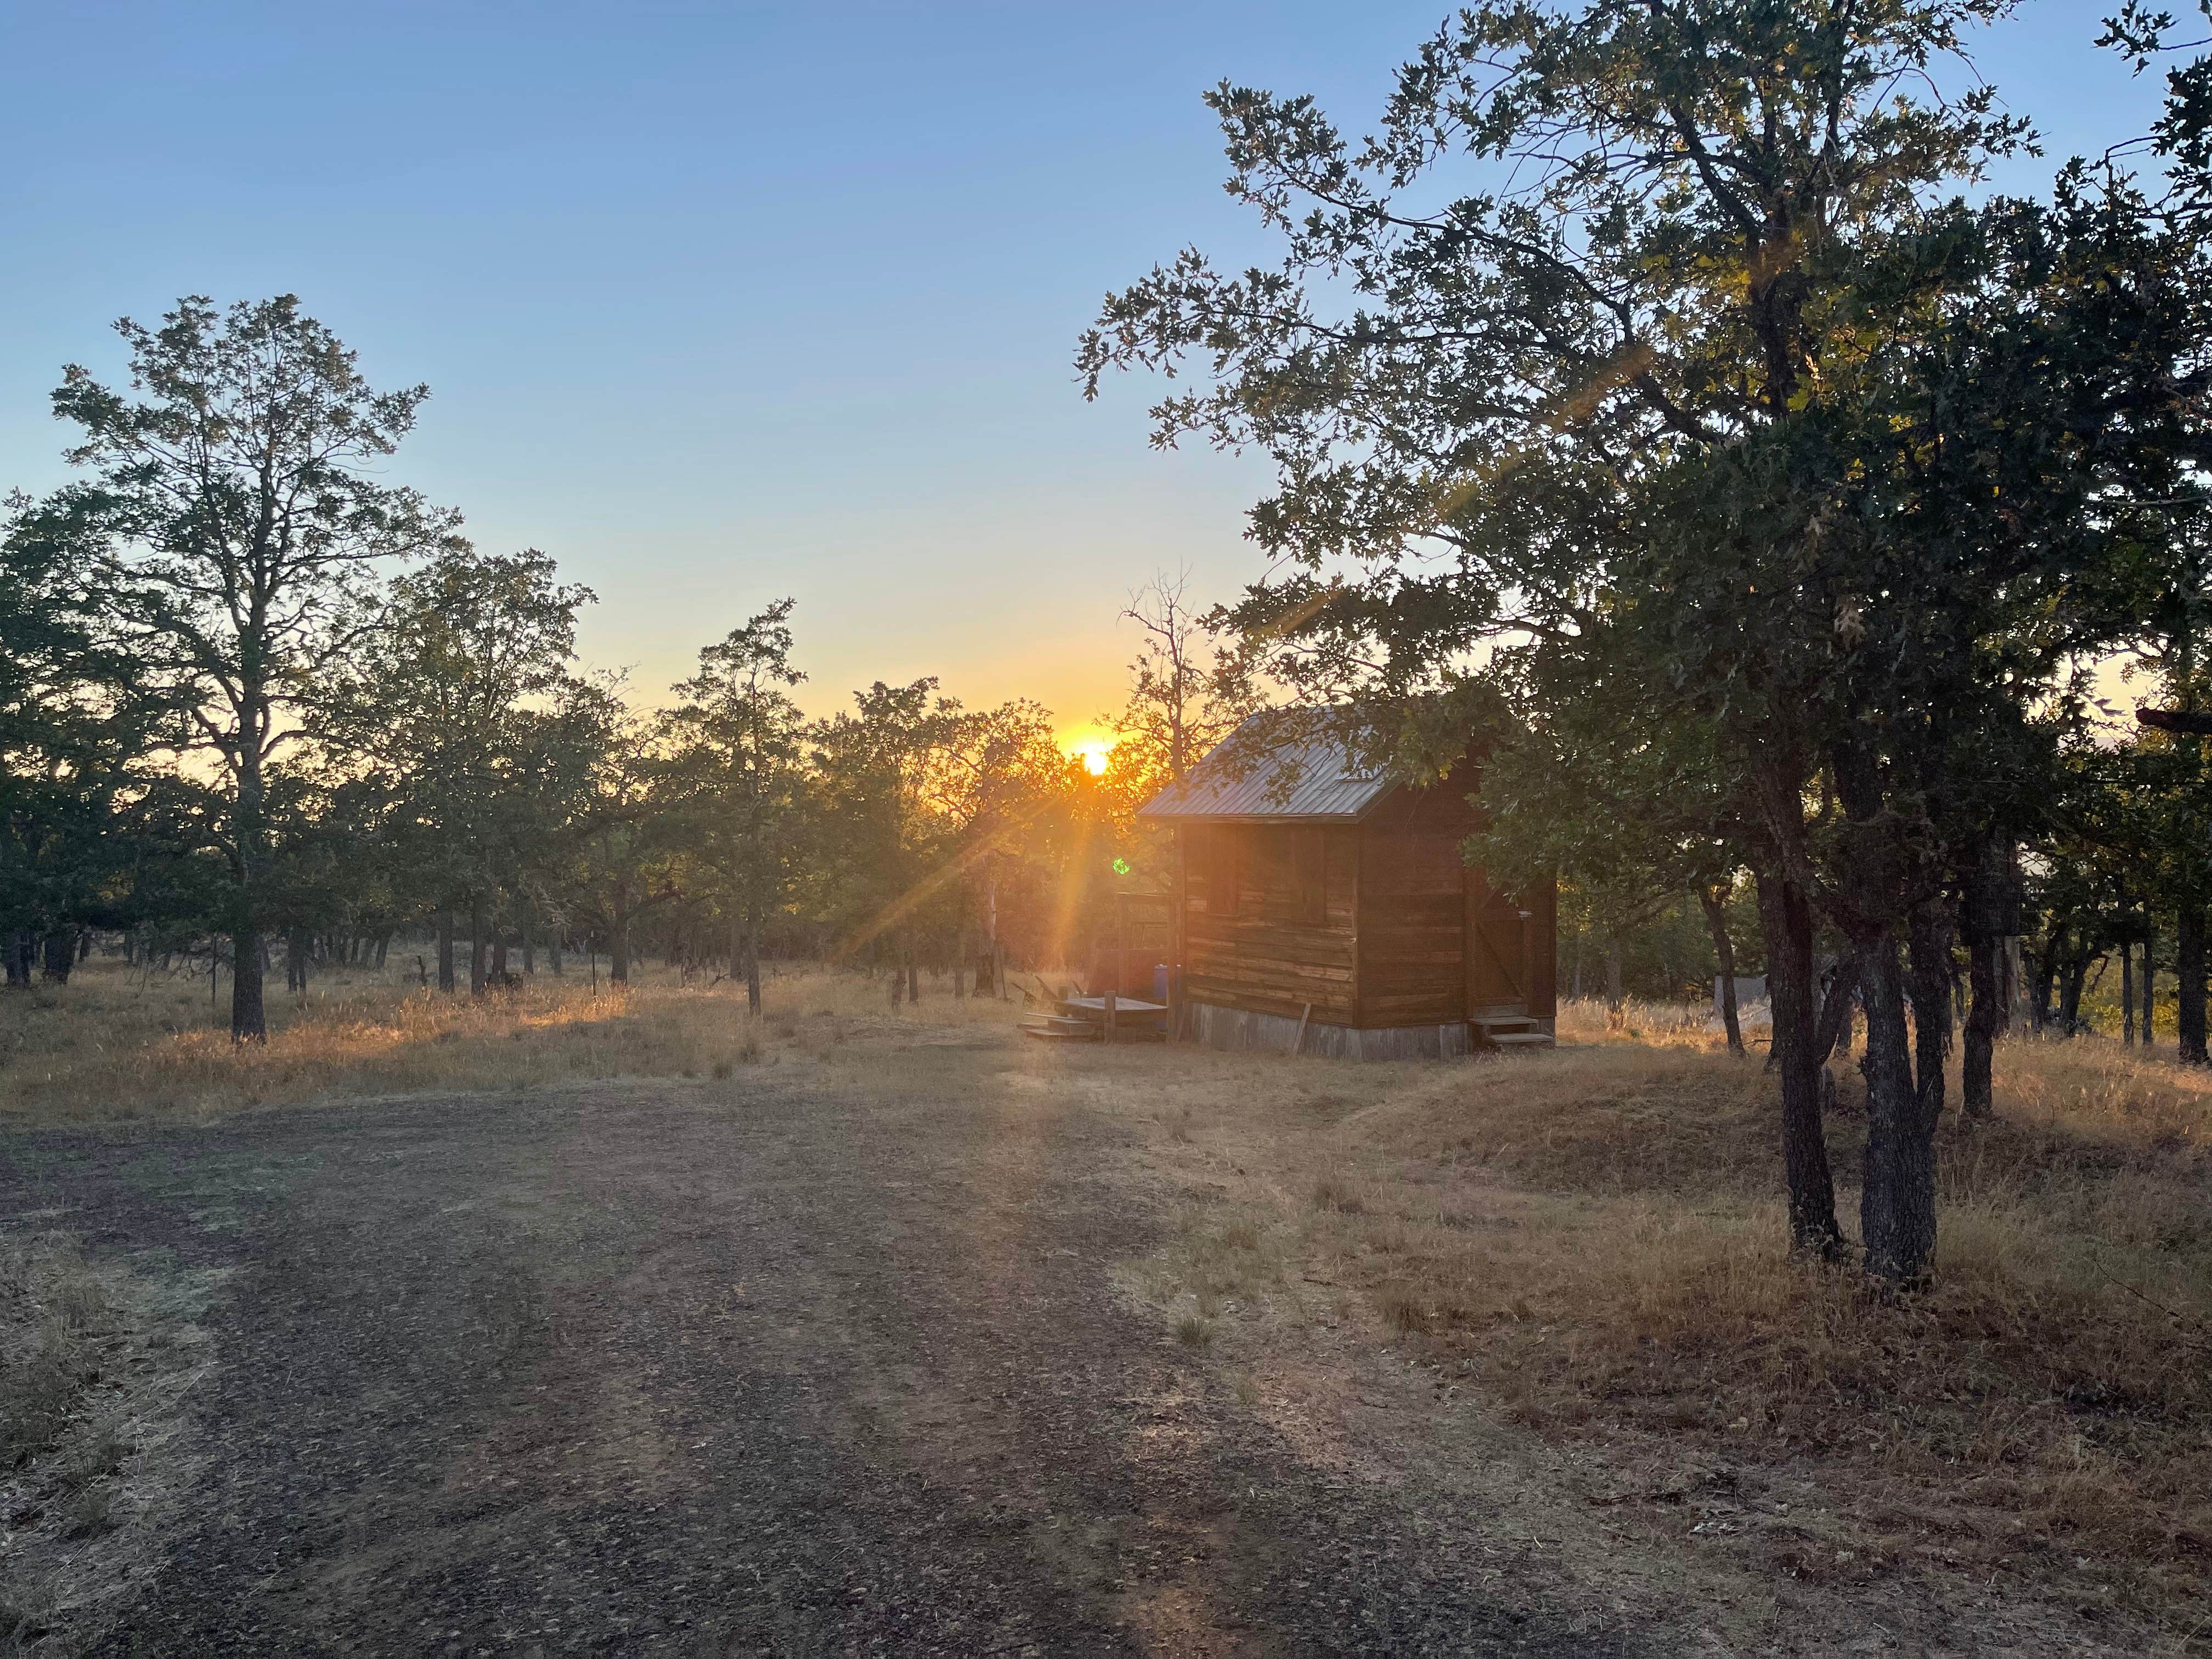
(88, 823)
(452, 731)
(738, 748)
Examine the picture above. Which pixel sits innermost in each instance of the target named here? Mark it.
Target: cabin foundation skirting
(1240, 1030)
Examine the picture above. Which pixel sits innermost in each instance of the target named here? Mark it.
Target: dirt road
(779, 1364)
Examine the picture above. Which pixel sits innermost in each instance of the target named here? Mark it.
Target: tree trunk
(2189, 987)
(1833, 1033)
(1897, 1203)
(1614, 997)
(2127, 993)
(618, 946)
(2150, 988)
(499, 954)
(383, 943)
(1786, 921)
(446, 948)
(2046, 975)
(1930, 928)
(1976, 1093)
(751, 963)
(476, 944)
(60, 953)
(249, 1020)
(553, 950)
(1716, 911)
(19, 952)
(249, 1017)
(2073, 980)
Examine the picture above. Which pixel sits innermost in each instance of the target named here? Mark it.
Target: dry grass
(115, 1045)
(1593, 1237)
(52, 1310)
(95, 1360)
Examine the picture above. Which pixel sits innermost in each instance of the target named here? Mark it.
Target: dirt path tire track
(779, 1366)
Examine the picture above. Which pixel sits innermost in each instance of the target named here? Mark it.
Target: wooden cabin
(1320, 908)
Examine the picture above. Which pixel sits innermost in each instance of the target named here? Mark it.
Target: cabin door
(1499, 976)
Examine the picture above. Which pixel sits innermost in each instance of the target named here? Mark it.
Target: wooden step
(1060, 1025)
(1503, 1031)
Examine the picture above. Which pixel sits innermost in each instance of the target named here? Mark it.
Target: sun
(1092, 752)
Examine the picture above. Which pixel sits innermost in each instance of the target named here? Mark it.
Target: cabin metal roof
(1245, 778)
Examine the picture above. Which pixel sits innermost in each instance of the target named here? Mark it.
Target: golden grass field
(115, 1045)
(1588, 1242)
(1593, 1242)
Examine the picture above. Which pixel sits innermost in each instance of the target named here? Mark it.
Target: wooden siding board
(1311, 869)
(1412, 932)
(1389, 941)
(1542, 902)
(1341, 854)
(1358, 927)
(1280, 981)
(1409, 865)
(1228, 965)
(1443, 811)
(1291, 1003)
(1176, 997)
(1325, 946)
(1416, 929)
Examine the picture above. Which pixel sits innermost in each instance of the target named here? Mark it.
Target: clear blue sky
(720, 302)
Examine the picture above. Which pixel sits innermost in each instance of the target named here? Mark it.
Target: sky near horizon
(720, 303)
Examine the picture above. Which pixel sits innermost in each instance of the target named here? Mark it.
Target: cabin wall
(1542, 903)
(1412, 889)
(1377, 927)
(1268, 915)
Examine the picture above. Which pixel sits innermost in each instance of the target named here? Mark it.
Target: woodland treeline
(1662, 390)
(261, 708)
